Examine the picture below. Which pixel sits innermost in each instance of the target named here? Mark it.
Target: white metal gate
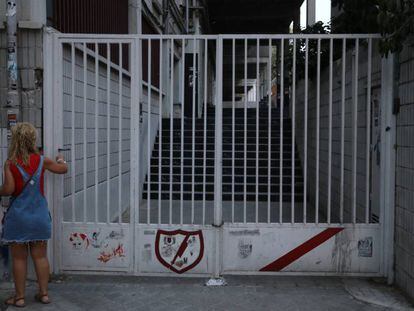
(216, 154)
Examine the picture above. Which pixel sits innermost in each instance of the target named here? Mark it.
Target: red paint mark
(301, 250)
(181, 250)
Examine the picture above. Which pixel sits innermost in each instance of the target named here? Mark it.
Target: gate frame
(54, 184)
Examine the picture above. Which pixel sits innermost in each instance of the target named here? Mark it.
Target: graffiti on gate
(179, 250)
(245, 248)
(79, 240)
(105, 246)
(109, 254)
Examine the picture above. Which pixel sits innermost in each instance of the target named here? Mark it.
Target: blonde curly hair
(23, 142)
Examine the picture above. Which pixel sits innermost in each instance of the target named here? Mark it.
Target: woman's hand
(58, 167)
(60, 158)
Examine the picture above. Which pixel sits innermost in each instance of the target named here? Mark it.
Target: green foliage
(394, 19)
(396, 23)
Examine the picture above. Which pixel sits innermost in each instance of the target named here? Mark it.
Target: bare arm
(8, 183)
(58, 166)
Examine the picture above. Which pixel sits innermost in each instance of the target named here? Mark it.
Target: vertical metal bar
(193, 132)
(269, 130)
(233, 133)
(282, 94)
(318, 104)
(85, 143)
(205, 129)
(96, 129)
(341, 199)
(218, 190)
(149, 92)
(182, 133)
(305, 135)
(330, 129)
(73, 160)
(368, 143)
(135, 140)
(257, 126)
(171, 124)
(292, 201)
(120, 136)
(218, 157)
(108, 132)
(355, 132)
(137, 75)
(245, 133)
(160, 134)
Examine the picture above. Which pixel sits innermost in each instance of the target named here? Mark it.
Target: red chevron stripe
(301, 250)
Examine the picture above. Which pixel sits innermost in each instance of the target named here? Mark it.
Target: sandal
(39, 298)
(13, 301)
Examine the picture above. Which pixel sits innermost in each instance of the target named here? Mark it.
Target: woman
(27, 223)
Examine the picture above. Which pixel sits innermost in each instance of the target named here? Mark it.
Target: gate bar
(305, 134)
(73, 173)
(149, 92)
(218, 180)
(282, 93)
(368, 142)
(96, 130)
(171, 124)
(245, 132)
(160, 144)
(182, 133)
(292, 207)
(257, 127)
(330, 129)
(120, 147)
(269, 142)
(318, 103)
(205, 129)
(355, 133)
(193, 132)
(108, 131)
(341, 203)
(233, 99)
(85, 67)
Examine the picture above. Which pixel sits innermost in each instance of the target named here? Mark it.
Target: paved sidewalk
(242, 293)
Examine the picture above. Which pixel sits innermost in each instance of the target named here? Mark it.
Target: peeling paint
(341, 254)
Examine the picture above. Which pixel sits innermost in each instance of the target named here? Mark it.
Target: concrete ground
(72, 293)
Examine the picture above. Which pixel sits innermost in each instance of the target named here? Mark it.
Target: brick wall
(404, 220)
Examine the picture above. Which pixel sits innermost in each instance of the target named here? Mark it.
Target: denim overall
(28, 218)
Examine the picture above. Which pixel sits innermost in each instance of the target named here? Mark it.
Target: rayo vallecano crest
(179, 250)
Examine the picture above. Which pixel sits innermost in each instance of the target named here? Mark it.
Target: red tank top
(34, 162)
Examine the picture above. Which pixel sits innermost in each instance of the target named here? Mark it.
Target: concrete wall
(336, 135)
(404, 200)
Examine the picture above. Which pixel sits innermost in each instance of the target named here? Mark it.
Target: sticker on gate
(179, 250)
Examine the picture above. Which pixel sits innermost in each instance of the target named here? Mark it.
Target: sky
(323, 12)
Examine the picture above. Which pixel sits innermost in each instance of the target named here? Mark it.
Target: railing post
(135, 190)
(388, 139)
(218, 158)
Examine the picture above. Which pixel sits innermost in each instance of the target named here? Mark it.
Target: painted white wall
(80, 144)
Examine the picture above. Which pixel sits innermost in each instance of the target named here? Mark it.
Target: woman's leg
(19, 258)
(38, 251)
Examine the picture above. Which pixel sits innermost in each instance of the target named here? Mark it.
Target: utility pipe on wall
(12, 77)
